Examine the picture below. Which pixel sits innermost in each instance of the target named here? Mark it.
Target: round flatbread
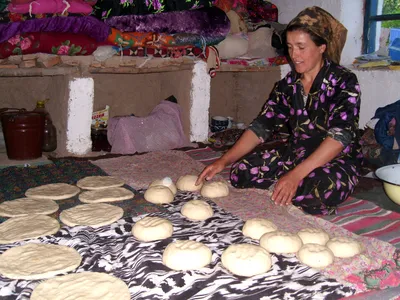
(38, 261)
(25, 206)
(27, 227)
(99, 182)
(53, 191)
(85, 285)
(93, 215)
(106, 195)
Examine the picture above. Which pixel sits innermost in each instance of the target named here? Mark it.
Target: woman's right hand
(210, 171)
(247, 142)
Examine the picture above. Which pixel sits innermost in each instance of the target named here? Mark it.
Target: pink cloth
(161, 130)
(21, 1)
(51, 6)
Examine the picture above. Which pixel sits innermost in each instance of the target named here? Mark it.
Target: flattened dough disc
(26, 206)
(53, 191)
(27, 227)
(99, 182)
(38, 261)
(93, 215)
(106, 195)
(86, 285)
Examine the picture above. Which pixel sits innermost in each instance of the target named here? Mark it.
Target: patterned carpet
(359, 216)
(16, 180)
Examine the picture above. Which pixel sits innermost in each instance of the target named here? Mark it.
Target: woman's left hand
(285, 189)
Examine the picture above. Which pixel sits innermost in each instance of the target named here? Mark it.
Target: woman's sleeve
(274, 114)
(344, 112)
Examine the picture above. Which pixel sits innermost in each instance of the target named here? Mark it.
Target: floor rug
(16, 180)
(113, 249)
(139, 171)
(359, 216)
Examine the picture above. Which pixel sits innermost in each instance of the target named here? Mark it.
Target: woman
(319, 166)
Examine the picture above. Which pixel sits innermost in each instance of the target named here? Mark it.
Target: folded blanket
(15, 2)
(49, 42)
(160, 40)
(9, 17)
(105, 9)
(164, 52)
(51, 6)
(207, 22)
(79, 25)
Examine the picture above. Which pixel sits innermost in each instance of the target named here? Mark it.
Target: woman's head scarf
(324, 25)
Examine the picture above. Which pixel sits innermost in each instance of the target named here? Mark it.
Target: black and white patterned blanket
(113, 249)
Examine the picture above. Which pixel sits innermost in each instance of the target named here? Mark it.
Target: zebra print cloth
(112, 249)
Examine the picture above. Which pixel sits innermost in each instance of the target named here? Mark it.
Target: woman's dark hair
(315, 38)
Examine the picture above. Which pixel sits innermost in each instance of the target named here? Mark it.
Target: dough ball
(187, 183)
(159, 194)
(186, 255)
(165, 182)
(281, 242)
(197, 210)
(256, 227)
(313, 236)
(152, 228)
(344, 247)
(215, 189)
(315, 256)
(246, 260)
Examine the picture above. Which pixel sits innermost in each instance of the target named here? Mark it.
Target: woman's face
(307, 57)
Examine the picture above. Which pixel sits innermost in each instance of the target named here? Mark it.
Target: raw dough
(187, 183)
(256, 227)
(246, 260)
(53, 191)
(159, 194)
(186, 255)
(27, 227)
(85, 285)
(99, 182)
(106, 195)
(313, 236)
(93, 215)
(165, 182)
(197, 210)
(38, 261)
(281, 242)
(152, 228)
(25, 206)
(215, 189)
(315, 255)
(344, 247)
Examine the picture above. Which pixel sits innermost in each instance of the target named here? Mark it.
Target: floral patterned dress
(330, 109)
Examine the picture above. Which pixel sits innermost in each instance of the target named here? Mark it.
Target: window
(382, 23)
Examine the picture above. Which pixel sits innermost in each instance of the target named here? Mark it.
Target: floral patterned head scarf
(324, 25)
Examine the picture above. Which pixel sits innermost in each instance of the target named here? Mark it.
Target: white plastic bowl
(390, 175)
